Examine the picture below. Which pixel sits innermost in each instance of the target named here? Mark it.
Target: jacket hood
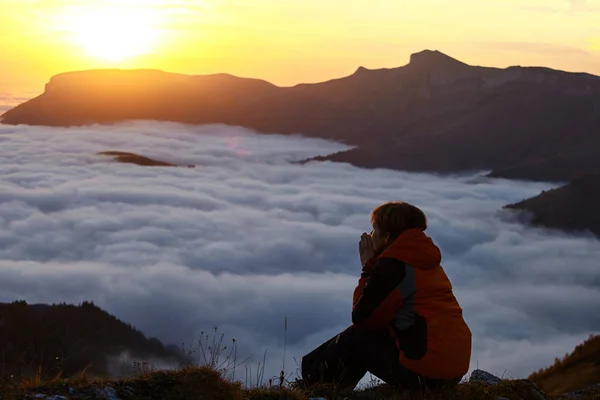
(415, 248)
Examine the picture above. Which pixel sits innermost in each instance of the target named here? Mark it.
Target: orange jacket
(405, 290)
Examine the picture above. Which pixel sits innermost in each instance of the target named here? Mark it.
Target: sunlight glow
(291, 41)
(114, 34)
(595, 44)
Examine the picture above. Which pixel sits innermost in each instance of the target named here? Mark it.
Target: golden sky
(288, 41)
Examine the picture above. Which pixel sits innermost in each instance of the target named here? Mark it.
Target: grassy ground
(209, 374)
(204, 383)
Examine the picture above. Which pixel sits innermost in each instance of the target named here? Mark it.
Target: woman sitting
(407, 327)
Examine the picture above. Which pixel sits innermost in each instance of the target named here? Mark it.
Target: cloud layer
(247, 239)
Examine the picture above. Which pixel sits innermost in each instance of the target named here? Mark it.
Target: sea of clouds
(249, 238)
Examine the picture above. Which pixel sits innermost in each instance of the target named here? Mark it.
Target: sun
(115, 34)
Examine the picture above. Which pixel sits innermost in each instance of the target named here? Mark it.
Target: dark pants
(344, 360)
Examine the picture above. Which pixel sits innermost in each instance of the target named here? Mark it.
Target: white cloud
(247, 238)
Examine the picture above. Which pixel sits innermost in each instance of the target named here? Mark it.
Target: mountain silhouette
(575, 371)
(573, 207)
(435, 114)
(68, 339)
(132, 158)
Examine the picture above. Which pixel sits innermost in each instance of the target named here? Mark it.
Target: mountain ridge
(434, 114)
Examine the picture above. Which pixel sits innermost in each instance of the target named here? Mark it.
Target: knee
(349, 335)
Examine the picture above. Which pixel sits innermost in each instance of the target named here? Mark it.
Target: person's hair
(396, 216)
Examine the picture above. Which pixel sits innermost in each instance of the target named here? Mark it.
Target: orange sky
(288, 42)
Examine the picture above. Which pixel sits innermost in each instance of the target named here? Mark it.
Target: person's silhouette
(407, 326)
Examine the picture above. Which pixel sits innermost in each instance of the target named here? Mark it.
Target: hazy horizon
(247, 239)
(288, 43)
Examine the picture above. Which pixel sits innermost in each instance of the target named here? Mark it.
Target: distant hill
(561, 166)
(435, 114)
(573, 207)
(132, 158)
(574, 371)
(70, 339)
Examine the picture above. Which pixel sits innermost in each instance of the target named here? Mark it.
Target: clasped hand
(365, 248)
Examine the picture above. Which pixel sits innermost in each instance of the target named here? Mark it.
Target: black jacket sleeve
(380, 300)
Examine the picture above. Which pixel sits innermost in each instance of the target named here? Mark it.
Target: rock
(594, 389)
(525, 386)
(534, 391)
(485, 377)
(108, 393)
(127, 391)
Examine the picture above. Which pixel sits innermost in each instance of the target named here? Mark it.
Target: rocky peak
(360, 70)
(434, 58)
